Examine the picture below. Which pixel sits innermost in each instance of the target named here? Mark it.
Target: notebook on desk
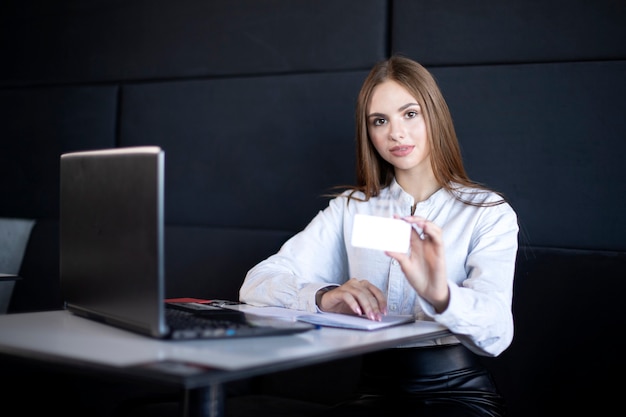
(112, 238)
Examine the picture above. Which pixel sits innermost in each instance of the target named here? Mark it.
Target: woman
(458, 272)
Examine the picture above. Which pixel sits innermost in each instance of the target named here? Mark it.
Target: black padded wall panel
(461, 32)
(551, 137)
(249, 152)
(91, 41)
(38, 125)
(218, 270)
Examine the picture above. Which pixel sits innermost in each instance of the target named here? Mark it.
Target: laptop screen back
(111, 236)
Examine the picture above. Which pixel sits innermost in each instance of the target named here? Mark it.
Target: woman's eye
(411, 114)
(378, 122)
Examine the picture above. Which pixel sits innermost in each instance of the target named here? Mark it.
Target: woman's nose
(396, 132)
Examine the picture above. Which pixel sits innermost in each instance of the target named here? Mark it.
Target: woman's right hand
(357, 297)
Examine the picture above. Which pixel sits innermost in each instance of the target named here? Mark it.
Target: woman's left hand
(424, 266)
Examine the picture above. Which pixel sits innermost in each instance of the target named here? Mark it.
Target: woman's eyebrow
(402, 108)
(407, 105)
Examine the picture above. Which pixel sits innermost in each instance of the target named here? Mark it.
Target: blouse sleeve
(480, 309)
(312, 259)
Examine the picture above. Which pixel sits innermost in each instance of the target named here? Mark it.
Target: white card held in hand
(382, 233)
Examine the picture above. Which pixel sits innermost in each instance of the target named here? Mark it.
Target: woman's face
(397, 128)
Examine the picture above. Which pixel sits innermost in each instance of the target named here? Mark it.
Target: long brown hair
(373, 173)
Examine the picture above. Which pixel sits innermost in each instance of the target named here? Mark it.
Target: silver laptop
(112, 250)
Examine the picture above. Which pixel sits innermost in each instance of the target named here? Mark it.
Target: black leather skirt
(427, 381)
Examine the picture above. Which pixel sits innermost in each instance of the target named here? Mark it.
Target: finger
(369, 305)
(416, 223)
(381, 299)
(345, 302)
(424, 228)
(398, 256)
(380, 302)
(432, 231)
(354, 304)
(371, 300)
(412, 219)
(339, 300)
(403, 259)
(367, 297)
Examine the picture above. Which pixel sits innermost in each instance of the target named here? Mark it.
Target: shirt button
(393, 307)
(394, 262)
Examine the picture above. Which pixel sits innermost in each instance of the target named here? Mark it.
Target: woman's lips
(402, 150)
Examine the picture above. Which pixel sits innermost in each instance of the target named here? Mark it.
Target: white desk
(200, 367)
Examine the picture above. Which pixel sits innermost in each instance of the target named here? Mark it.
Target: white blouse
(480, 245)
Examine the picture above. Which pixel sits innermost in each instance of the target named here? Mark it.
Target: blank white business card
(381, 233)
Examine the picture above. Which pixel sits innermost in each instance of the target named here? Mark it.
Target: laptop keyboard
(226, 323)
(185, 325)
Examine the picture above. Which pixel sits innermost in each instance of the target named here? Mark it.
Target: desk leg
(204, 402)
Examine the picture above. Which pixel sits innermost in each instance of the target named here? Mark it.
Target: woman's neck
(421, 187)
